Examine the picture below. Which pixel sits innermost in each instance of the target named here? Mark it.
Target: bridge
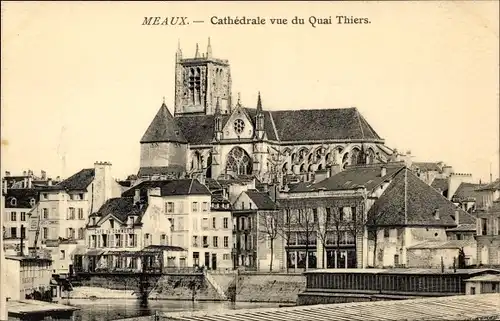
(462, 307)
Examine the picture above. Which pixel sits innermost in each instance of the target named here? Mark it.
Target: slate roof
(172, 170)
(467, 190)
(261, 200)
(427, 166)
(23, 197)
(121, 208)
(440, 184)
(316, 124)
(491, 187)
(420, 203)
(163, 128)
(78, 181)
(352, 177)
(170, 187)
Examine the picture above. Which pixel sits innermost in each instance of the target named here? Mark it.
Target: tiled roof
(121, 208)
(495, 186)
(78, 181)
(23, 197)
(467, 190)
(321, 124)
(172, 170)
(440, 184)
(368, 176)
(449, 244)
(170, 187)
(163, 128)
(427, 166)
(261, 200)
(463, 228)
(317, 124)
(420, 204)
(212, 184)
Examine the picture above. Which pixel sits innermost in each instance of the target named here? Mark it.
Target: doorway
(214, 261)
(207, 260)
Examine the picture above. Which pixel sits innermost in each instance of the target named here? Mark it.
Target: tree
(269, 229)
(332, 224)
(307, 227)
(357, 223)
(285, 230)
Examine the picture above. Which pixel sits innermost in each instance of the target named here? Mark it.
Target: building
(210, 135)
(325, 219)
(176, 213)
(27, 180)
(59, 219)
(26, 276)
(257, 237)
(408, 213)
(488, 235)
(19, 203)
(488, 194)
(481, 284)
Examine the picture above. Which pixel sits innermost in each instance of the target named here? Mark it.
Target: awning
(94, 252)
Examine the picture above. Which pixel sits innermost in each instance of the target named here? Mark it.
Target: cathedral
(209, 135)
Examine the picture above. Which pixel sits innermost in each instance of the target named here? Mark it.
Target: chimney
(383, 171)
(30, 182)
(457, 217)
(436, 214)
(7, 173)
(24, 173)
(44, 175)
(137, 196)
(103, 184)
(49, 182)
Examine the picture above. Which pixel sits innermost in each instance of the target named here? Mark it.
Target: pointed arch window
(239, 162)
(194, 85)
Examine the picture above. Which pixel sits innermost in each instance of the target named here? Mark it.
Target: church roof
(419, 204)
(163, 128)
(280, 125)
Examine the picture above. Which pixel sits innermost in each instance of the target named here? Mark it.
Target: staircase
(215, 285)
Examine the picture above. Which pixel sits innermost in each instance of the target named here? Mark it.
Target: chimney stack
(457, 217)
(436, 214)
(383, 171)
(137, 196)
(334, 169)
(49, 182)
(7, 173)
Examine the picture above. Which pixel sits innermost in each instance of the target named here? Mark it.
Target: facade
(59, 219)
(19, 203)
(406, 216)
(258, 242)
(488, 194)
(325, 220)
(26, 275)
(488, 235)
(176, 214)
(210, 135)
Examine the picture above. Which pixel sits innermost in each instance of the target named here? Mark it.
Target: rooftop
(463, 307)
(170, 187)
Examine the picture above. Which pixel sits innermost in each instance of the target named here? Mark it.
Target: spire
(217, 107)
(197, 53)
(163, 100)
(238, 103)
(178, 54)
(259, 103)
(209, 49)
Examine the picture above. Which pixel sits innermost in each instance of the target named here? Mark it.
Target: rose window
(239, 125)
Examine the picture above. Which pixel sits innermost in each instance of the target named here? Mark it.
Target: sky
(82, 81)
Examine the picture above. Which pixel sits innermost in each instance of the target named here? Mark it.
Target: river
(113, 309)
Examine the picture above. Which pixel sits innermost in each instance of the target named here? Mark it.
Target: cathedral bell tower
(200, 82)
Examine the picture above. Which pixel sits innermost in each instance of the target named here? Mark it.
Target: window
(225, 257)
(32, 202)
(13, 202)
(80, 233)
(71, 213)
(132, 240)
(70, 233)
(328, 215)
(239, 126)
(172, 222)
(205, 206)
(118, 240)
(45, 233)
(472, 290)
(195, 241)
(204, 223)
(62, 255)
(163, 239)
(13, 232)
(386, 232)
(80, 213)
(195, 206)
(484, 226)
(216, 241)
(205, 241)
(225, 222)
(23, 216)
(315, 215)
(13, 216)
(170, 207)
(226, 241)
(112, 223)
(396, 259)
(147, 239)
(80, 196)
(45, 196)
(214, 223)
(181, 223)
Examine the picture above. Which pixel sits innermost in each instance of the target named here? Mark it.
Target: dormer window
(112, 223)
(93, 221)
(32, 202)
(13, 202)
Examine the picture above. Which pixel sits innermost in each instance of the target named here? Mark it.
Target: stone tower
(200, 82)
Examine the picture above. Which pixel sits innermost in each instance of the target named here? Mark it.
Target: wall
(163, 154)
(12, 287)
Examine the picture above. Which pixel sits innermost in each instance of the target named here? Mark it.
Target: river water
(113, 309)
